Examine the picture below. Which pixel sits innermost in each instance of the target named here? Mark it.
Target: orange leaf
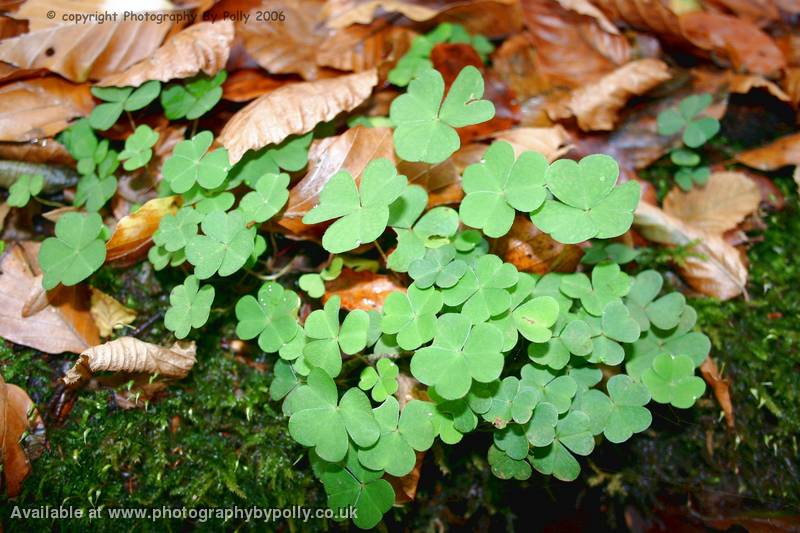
(361, 289)
(530, 250)
(721, 388)
(247, 84)
(132, 237)
(780, 153)
(15, 404)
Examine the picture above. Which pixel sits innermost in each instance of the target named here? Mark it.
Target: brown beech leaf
(405, 488)
(62, 324)
(350, 151)
(247, 84)
(779, 153)
(585, 7)
(515, 63)
(81, 52)
(132, 237)
(203, 47)
(358, 47)
(552, 143)
(441, 180)
(531, 250)
(131, 355)
(361, 289)
(720, 205)
(44, 151)
(293, 109)
(15, 407)
(108, 313)
(715, 268)
(721, 388)
(791, 82)
(342, 13)
(597, 104)
(37, 108)
(744, 83)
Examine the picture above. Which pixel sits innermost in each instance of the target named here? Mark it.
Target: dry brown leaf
(780, 153)
(717, 270)
(54, 214)
(292, 110)
(108, 313)
(744, 83)
(63, 325)
(515, 63)
(441, 180)
(531, 250)
(131, 355)
(721, 388)
(720, 205)
(15, 406)
(585, 7)
(361, 289)
(45, 151)
(759, 12)
(493, 19)
(552, 143)
(247, 84)
(596, 105)
(405, 488)
(81, 52)
(38, 108)
(342, 13)
(357, 48)
(36, 11)
(203, 47)
(132, 237)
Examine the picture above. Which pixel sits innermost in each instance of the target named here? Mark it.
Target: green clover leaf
(495, 401)
(81, 143)
(119, 99)
(284, 380)
(520, 293)
(160, 257)
(314, 284)
(224, 248)
(451, 418)
(439, 267)
(617, 323)
(175, 231)
(620, 414)
(608, 284)
(190, 164)
(684, 157)
(267, 198)
(433, 230)
(402, 433)
(572, 435)
(671, 380)
(482, 289)
(426, 125)
(290, 155)
(535, 318)
(21, 190)
(193, 98)
(460, 354)
(326, 338)
(362, 213)
(272, 317)
(545, 385)
(504, 467)
(322, 421)
(93, 192)
(190, 306)
(412, 316)
(382, 379)
(615, 252)
(75, 252)
(404, 211)
(415, 62)
(696, 130)
(586, 204)
(499, 185)
(664, 312)
(138, 148)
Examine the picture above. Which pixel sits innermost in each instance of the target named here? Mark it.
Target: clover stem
(380, 251)
(130, 119)
(48, 202)
(273, 276)
(194, 127)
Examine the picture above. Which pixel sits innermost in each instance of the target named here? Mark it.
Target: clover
(93, 192)
(572, 435)
(498, 185)
(615, 252)
(82, 144)
(671, 380)
(520, 293)
(267, 197)
(326, 338)
(291, 155)
(190, 164)
(272, 317)
(77, 250)
(460, 354)
(451, 418)
(545, 385)
(408, 207)
(540, 430)
(439, 267)
(425, 124)
(686, 178)
(362, 213)
(620, 414)
(284, 380)
(500, 402)
(535, 317)
(224, 248)
(618, 324)
(433, 230)
(402, 435)
(314, 284)
(608, 284)
(696, 130)
(414, 63)
(190, 305)
(175, 231)
(382, 379)
(21, 191)
(504, 467)
(193, 98)
(586, 202)
(119, 99)
(320, 419)
(664, 312)
(160, 257)
(138, 148)
(482, 289)
(412, 316)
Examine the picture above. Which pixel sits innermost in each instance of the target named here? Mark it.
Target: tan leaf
(357, 48)
(585, 7)
(54, 214)
(36, 12)
(596, 105)
(550, 142)
(515, 63)
(531, 250)
(342, 13)
(717, 270)
(361, 289)
(721, 388)
(131, 355)
(720, 205)
(744, 83)
(108, 313)
(780, 153)
(38, 108)
(63, 325)
(15, 406)
(203, 47)
(132, 237)
(247, 84)
(405, 488)
(293, 109)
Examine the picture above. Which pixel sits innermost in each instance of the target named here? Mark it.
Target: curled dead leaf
(361, 289)
(108, 313)
(133, 235)
(16, 411)
(721, 388)
(131, 355)
(744, 83)
(293, 109)
(530, 250)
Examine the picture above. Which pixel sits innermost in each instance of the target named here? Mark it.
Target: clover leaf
(587, 204)
(451, 418)
(362, 213)
(224, 248)
(696, 130)
(412, 316)
(535, 317)
(572, 435)
(138, 148)
(618, 324)
(272, 317)
(686, 178)
(314, 284)
(267, 198)
(615, 252)
(326, 338)
(160, 257)
(460, 354)
(291, 154)
(548, 386)
(175, 231)
(75, 252)
(321, 420)
(402, 433)
(93, 191)
(504, 467)
(21, 190)
(190, 306)
(382, 379)
(404, 211)
(119, 99)
(190, 164)
(671, 380)
(426, 125)
(194, 97)
(664, 312)
(414, 63)
(439, 267)
(498, 185)
(433, 230)
(620, 414)
(284, 380)
(482, 289)
(608, 284)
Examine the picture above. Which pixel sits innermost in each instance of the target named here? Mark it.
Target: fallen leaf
(38, 108)
(358, 48)
(131, 355)
(137, 396)
(759, 12)
(405, 488)
(203, 47)
(293, 109)
(108, 313)
(491, 18)
(132, 237)
(721, 388)
(63, 325)
(54, 214)
(552, 143)
(791, 82)
(744, 83)
(361, 289)
(44, 151)
(530, 250)
(441, 180)
(342, 13)
(15, 407)
(716, 270)
(247, 84)
(718, 206)
(779, 153)
(585, 7)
